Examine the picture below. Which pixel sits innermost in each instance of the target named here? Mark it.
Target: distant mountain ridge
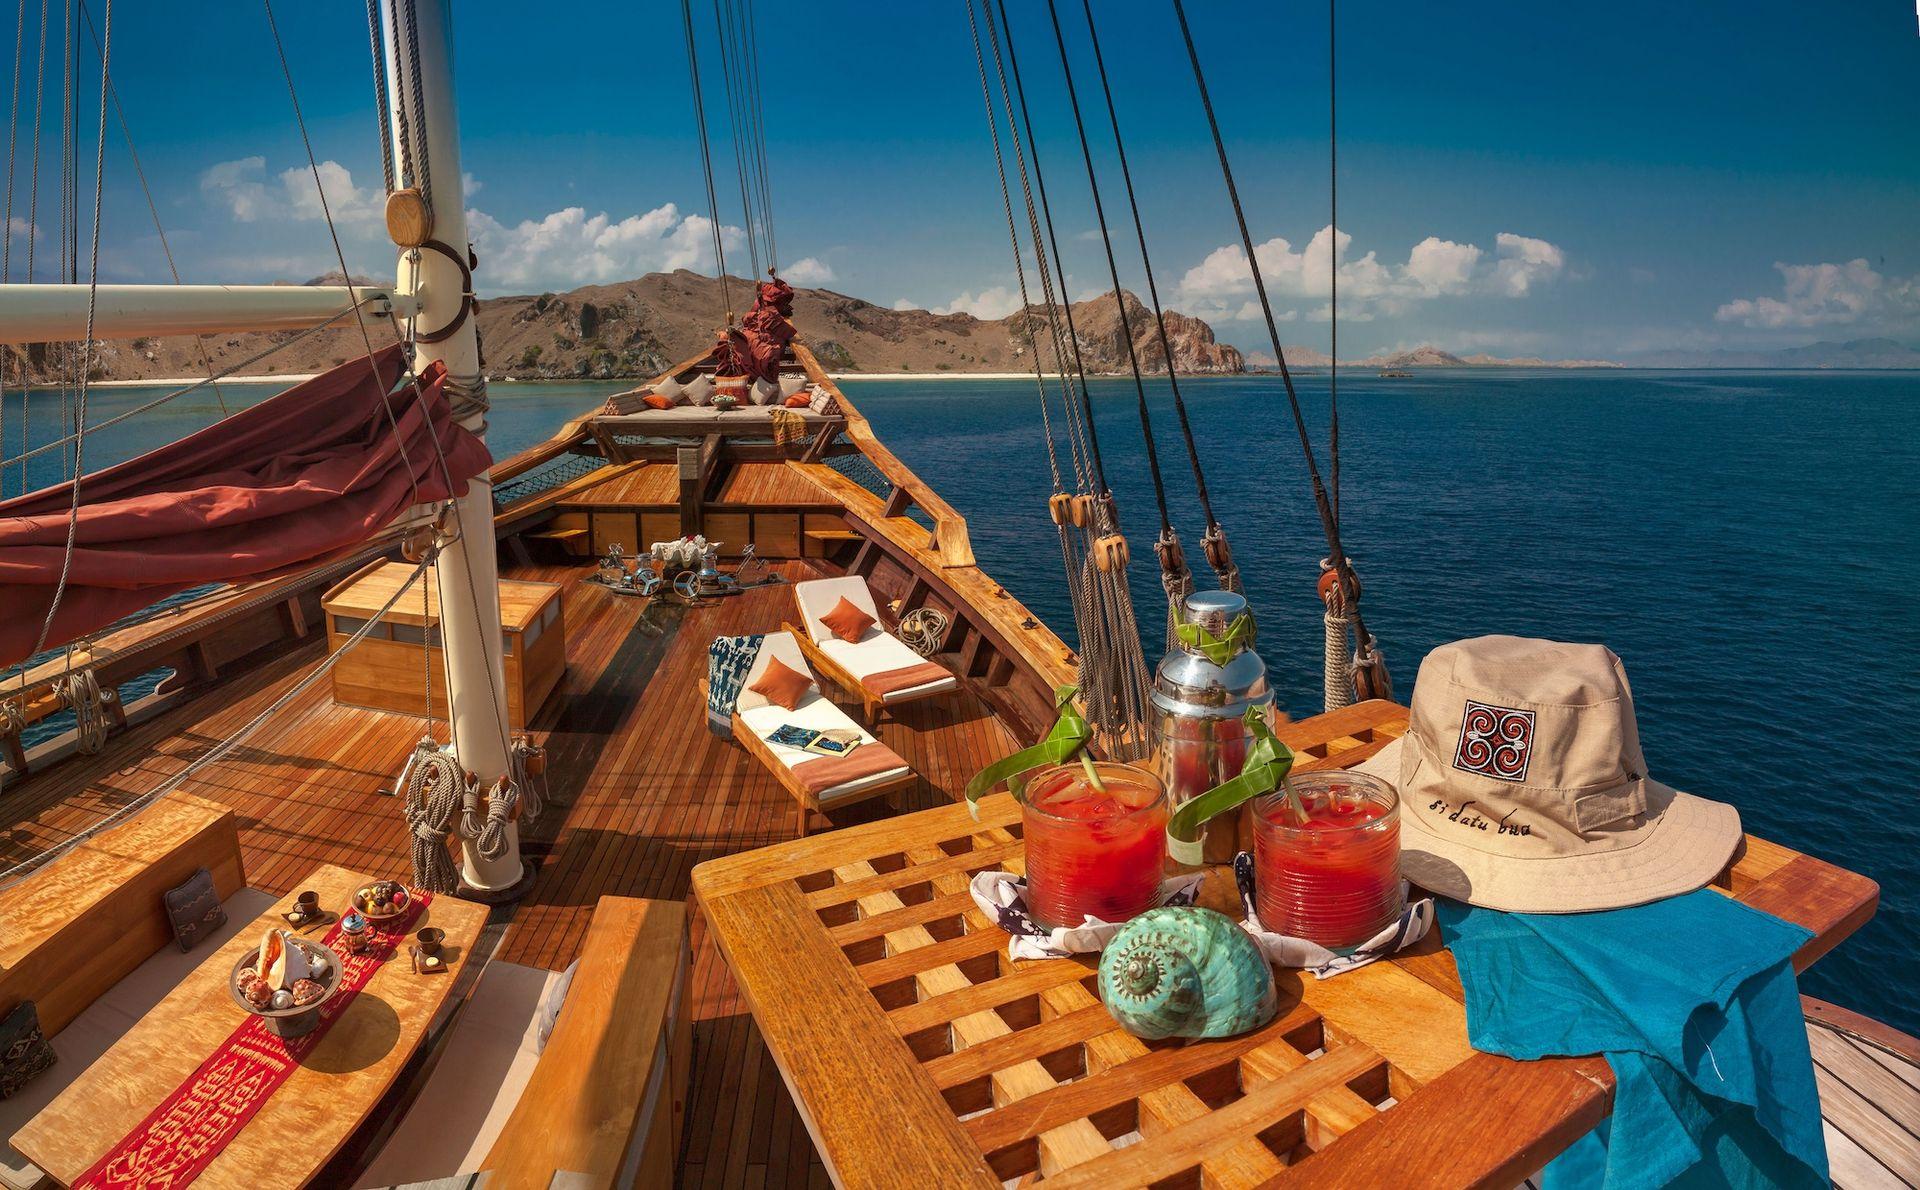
(635, 329)
(1876, 353)
(1425, 356)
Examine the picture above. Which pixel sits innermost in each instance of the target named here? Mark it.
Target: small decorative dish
(300, 976)
(383, 900)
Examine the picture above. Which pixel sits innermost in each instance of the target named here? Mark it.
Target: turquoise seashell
(1186, 972)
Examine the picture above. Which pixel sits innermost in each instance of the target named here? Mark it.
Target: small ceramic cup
(430, 940)
(307, 905)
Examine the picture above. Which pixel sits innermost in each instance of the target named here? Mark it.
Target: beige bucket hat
(1523, 788)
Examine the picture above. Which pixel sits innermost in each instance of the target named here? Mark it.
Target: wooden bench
(91, 926)
(87, 919)
(608, 1096)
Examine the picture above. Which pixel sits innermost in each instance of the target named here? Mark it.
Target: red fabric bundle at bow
(308, 474)
(762, 337)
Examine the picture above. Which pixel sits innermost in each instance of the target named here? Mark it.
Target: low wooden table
(919, 1054)
(313, 1112)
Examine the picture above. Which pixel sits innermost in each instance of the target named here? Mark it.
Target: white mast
(419, 38)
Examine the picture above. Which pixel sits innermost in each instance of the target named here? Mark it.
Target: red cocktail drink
(1094, 852)
(1333, 879)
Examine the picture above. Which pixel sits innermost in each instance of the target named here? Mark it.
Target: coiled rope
(436, 789)
(80, 692)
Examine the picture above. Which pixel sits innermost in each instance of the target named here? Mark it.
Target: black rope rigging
(1218, 554)
(706, 153)
(1329, 523)
(751, 53)
(1053, 242)
(1333, 265)
(729, 71)
(1113, 270)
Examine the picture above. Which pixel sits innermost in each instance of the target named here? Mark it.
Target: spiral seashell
(1185, 972)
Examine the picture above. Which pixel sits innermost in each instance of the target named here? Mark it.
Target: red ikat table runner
(181, 1137)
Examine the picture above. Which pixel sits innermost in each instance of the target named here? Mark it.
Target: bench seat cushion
(475, 1085)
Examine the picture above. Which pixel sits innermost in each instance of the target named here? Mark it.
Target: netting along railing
(865, 472)
(547, 476)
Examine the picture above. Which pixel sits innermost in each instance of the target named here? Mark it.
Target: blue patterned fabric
(1693, 1002)
(728, 660)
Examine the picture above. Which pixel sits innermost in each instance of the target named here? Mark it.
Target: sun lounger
(879, 668)
(816, 782)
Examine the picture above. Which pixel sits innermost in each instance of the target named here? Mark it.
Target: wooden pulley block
(1110, 553)
(1173, 559)
(409, 220)
(1370, 677)
(1219, 553)
(1082, 511)
(420, 543)
(1060, 508)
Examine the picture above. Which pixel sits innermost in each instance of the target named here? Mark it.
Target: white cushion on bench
(106, 1021)
(472, 1091)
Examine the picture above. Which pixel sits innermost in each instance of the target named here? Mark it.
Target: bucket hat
(1523, 787)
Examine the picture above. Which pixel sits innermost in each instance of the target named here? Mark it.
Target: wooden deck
(643, 793)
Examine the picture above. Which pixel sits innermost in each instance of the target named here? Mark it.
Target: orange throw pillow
(656, 401)
(799, 401)
(782, 684)
(847, 622)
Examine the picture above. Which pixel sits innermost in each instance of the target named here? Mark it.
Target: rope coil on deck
(436, 787)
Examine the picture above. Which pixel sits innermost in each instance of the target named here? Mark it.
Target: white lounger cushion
(106, 1021)
(875, 653)
(815, 711)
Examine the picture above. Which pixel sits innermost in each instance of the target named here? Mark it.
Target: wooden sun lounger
(787, 646)
(819, 596)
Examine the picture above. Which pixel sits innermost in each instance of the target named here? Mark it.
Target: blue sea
(1748, 542)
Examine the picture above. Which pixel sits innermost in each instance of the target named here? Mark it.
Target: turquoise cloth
(1693, 1002)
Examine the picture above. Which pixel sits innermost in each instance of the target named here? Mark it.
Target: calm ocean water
(1746, 541)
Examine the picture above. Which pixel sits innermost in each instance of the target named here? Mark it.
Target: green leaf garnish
(1266, 767)
(1070, 733)
(1217, 649)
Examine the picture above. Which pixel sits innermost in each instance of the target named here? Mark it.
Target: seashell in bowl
(301, 997)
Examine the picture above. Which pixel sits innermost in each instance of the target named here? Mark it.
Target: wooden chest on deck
(386, 669)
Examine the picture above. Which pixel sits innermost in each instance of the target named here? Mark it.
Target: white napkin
(1003, 895)
(1415, 919)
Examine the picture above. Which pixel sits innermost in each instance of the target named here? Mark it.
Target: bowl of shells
(382, 900)
(284, 981)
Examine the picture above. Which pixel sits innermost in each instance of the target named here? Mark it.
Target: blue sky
(1516, 178)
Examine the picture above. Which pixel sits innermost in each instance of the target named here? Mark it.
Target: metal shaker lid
(1187, 682)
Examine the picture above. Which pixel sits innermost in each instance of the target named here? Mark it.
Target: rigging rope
(382, 96)
(758, 141)
(86, 350)
(1053, 238)
(728, 72)
(1075, 438)
(706, 154)
(1366, 654)
(1178, 578)
(435, 789)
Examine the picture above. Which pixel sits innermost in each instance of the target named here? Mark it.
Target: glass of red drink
(1093, 852)
(1335, 878)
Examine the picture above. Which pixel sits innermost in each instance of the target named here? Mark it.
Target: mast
(423, 119)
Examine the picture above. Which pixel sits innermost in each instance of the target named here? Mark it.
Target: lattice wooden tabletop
(920, 1055)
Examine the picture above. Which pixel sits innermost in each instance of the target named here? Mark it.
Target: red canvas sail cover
(307, 474)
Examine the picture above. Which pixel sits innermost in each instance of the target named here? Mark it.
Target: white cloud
(905, 304)
(808, 270)
(1524, 262)
(242, 188)
(988, 304)
(469, 185)
(1367, 286)
(1829, 295)
(569, 247)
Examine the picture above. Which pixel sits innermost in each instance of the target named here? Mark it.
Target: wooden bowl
(406, 903)
(300, 1019)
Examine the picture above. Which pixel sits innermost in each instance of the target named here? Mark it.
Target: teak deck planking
(646, 793)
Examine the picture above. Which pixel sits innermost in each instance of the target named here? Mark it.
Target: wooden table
(919, 1054)
(312, 1113)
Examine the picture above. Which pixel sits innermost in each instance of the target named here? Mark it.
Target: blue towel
(728, 660)
(1693, 1002)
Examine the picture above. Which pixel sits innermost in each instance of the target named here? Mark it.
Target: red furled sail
(761, 339)
(297, 478)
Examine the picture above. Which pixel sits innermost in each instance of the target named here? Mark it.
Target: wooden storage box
(385, 670)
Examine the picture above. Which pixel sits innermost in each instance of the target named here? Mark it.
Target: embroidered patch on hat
(1495, 742)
